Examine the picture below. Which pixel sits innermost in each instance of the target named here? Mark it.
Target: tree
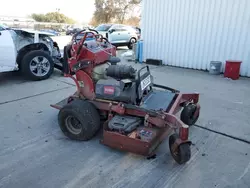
(135, 21)
(113, 10)
(104, 10)
(38, 17)
(93, 22)
(125, 7)
(55, 17)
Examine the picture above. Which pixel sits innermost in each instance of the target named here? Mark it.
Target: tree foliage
(113, 10)
(53, 17)
(132, 21)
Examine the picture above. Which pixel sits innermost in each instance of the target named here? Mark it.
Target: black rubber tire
(183, 153)
(187, 115)
(88, 116)
(25, 69)
(130, 44)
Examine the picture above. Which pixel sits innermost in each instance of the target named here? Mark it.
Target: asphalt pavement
(35, 153)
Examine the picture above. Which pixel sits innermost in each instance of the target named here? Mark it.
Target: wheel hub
(39, 66)
(73, 125)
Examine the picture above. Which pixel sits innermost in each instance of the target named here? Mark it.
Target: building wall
(191, 33)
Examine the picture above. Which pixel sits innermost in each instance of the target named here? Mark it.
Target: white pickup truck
(34, 53)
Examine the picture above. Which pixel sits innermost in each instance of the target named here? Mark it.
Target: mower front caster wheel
(79, 120)
(182, 154)
(188, 114)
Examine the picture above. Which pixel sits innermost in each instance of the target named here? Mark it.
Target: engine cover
(116, 90)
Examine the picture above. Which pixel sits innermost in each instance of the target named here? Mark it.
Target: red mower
(137, 114)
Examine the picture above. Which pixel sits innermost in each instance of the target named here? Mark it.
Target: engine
(116, 82)
(99, 72)
(121, 72)
(118, 72)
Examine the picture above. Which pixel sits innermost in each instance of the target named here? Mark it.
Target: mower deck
(146, 145)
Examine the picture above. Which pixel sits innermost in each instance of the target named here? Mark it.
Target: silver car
(118, 34)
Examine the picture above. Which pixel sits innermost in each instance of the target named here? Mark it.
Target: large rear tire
(79, 120)
(37, 65)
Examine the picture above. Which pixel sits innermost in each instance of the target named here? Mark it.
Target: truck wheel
(187, 115)
(79, 120)
(37, 65)
(183, 152)
(131, 43)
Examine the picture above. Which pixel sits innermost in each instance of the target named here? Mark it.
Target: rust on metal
(184, 132)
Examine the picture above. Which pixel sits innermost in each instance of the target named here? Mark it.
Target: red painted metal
(197, 112)
(184, 132)
(131, 143)
(194, 97)
(86, 85)
(64, 102)
(163, 121)
(97, 57)
(76, 82)
(119, 109)
(232, 69)
(83, 78)
(181, 99)
(58, 107)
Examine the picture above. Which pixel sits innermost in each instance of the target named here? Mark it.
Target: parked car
(138, 32)
(118, 34)
(72, 31)
(51, 31)
(34, 53)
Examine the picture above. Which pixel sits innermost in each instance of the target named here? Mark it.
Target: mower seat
(114, 60)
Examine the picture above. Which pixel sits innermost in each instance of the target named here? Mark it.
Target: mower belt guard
(124, 123)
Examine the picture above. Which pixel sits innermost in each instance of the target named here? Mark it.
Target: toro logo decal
(109, 90)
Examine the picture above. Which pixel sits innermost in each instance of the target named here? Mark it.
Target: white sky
(79, 10)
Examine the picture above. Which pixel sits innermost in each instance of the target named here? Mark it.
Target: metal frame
(161, 122)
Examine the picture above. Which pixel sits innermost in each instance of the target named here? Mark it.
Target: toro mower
(137, 115)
